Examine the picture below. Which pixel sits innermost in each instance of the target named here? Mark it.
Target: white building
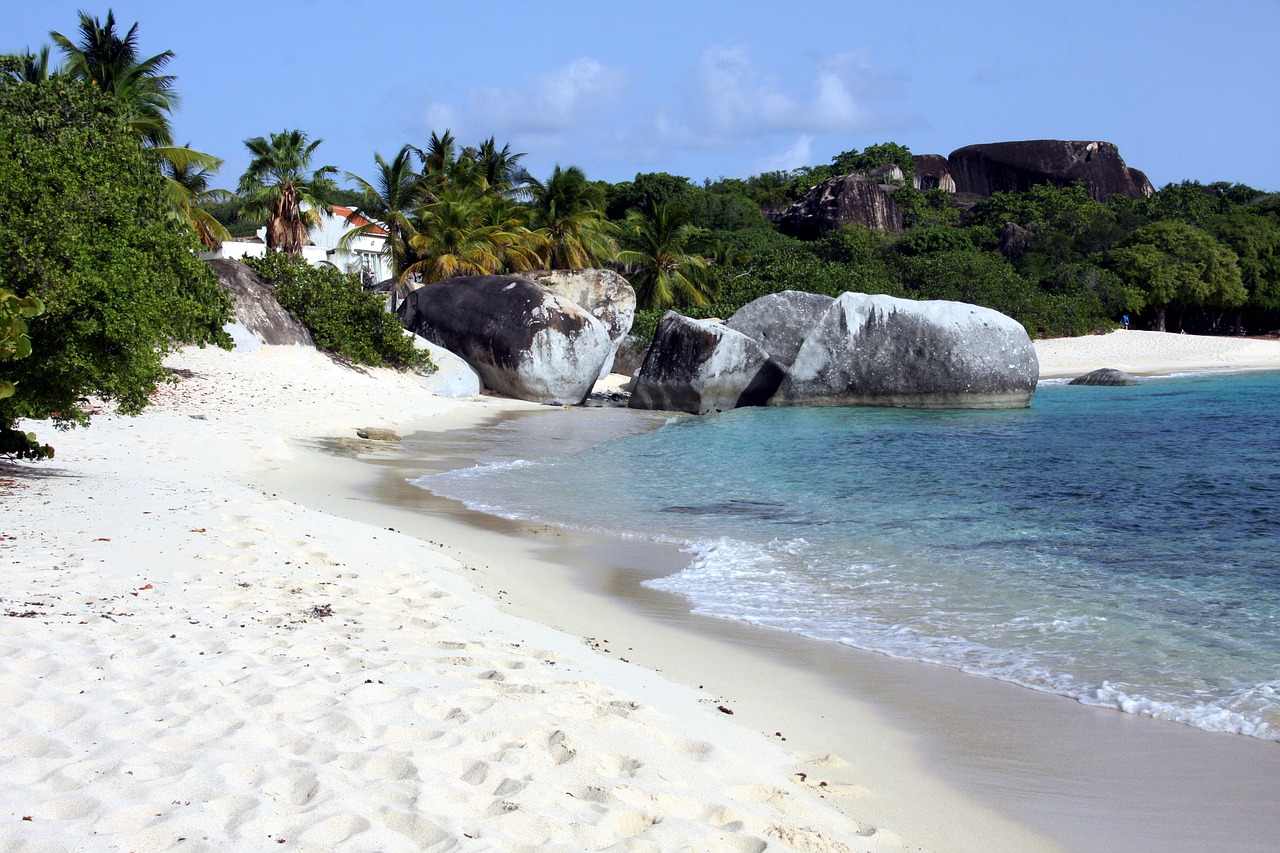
(363, 257)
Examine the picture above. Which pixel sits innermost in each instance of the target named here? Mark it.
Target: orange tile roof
(358, 220)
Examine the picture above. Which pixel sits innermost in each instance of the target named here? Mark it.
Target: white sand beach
(189, 661)
(1153, 353)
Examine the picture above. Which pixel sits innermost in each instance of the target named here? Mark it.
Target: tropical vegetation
(111, 210)
(87, 233)
(343, 319)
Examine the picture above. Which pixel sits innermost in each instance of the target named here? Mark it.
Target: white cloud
(739, 98)
(563, 99)
(800, 153)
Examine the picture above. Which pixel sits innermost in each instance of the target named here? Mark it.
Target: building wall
(364, 253)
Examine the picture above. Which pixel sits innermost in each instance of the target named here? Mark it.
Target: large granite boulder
(607, 296)
(932, 173)
(781, 321)
(1017, 166)
(1107, 376)
(259, 319)
(453, 377)
(701, 366)
(523, 340)
(842, 200)
(884, 351)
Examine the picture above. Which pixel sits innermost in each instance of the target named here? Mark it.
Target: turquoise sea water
(1120, 546)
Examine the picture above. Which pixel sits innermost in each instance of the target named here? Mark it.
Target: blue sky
(1187, 90)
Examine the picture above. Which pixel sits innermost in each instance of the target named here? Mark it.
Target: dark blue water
(1117, 545)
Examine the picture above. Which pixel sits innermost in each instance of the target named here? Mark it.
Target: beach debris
(723, 710)
(377, 434)
(320, 611)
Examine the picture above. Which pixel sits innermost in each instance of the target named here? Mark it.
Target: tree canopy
(281, 185)
(87, 232)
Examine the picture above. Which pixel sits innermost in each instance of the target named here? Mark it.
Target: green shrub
(343, 318)
(86, 230)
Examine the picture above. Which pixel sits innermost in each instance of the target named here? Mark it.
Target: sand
(1154, 353)
(192, 661)
(189, 663)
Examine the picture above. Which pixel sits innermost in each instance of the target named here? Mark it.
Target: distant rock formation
(1018, 166)
(259, 319)
(604, 294)
(1014, 239)
(932, 173)
(523, 340)
(701, 366)
(884, 351)
(842, 200)
(1105, 376)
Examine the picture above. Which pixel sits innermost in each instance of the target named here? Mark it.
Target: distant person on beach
(1124, 321)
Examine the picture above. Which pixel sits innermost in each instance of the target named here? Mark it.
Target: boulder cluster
(549, 336)
(968, 174)
(802, 349)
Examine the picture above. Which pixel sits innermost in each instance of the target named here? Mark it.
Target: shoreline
(190, 662)
(588, 586)
(1065, 775)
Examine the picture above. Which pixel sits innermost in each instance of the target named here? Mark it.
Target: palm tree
(500, 168)
(457, 235)
(280, 185)
(667, 266)
(187, 175)
(390, 201)
(105, 59)
(34, 67)
(568, 210)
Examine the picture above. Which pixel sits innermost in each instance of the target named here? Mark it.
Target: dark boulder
(839, 201)
(604, 294)
(1017, 166)
(932, 173)
(259, 319)
(1105, 376)
(779, 322)
(883, 351)
(523, 340)
(701, 366)
(1014, 240)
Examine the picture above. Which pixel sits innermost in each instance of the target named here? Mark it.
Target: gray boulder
(781, 321)
(883, 351)
(1017, 166)
(604, 294)
(524, 341)
(701, 366)
(842, 200)
(630, 355)
(1105, 376)
(259, 319)
(453, 377)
